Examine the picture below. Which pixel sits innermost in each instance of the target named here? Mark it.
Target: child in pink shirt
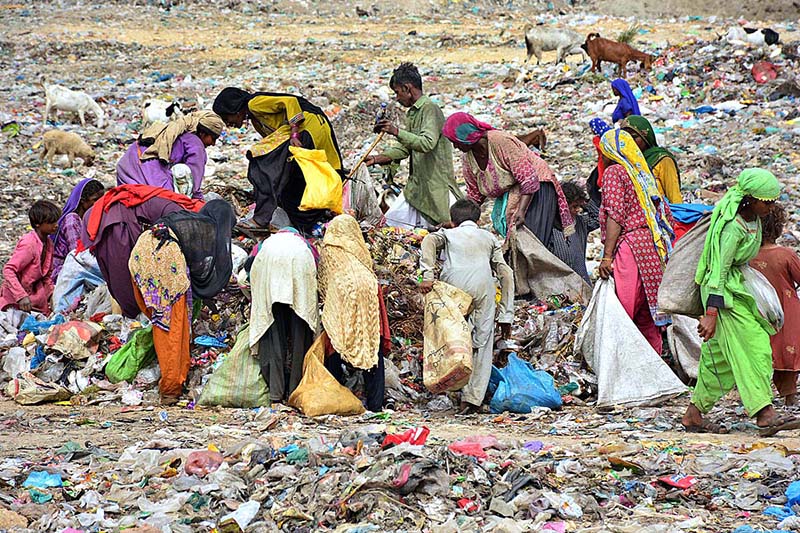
(26, 277)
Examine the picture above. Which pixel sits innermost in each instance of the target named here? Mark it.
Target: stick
(366, 154)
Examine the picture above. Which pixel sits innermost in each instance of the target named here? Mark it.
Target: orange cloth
(131, 195)
(172, 347)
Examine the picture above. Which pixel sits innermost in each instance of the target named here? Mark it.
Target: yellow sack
(318, 392)
(447, 365)
(323, 183)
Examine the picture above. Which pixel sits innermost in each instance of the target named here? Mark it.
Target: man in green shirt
(431, 187)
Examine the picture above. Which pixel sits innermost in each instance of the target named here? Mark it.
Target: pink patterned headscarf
(463, 128)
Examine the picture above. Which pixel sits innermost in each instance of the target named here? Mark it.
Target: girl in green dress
(736, 351)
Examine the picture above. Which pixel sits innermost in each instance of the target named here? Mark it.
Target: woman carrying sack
(736, 351)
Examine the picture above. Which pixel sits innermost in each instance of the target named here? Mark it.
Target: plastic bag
(759, 287)
(323, 183)
(137, 353)
(236, 381)
(79, 274)
(628, 370)
(318, 392)
(200, 463)
(75, 339)
(678, 294)
(447, 364)
(16, 361)
(27, 389)
(521, 388)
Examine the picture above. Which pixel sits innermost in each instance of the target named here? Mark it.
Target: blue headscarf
(599, 126)
(627, 101)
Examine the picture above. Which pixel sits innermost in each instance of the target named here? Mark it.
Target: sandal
(249, 226)
(707, 427)
(783, 424)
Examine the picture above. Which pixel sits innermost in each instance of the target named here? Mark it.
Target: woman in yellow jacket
(283, 120)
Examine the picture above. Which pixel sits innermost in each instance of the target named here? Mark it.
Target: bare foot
(767, 417)
(692, 417)
(791, 399)
(694, 422)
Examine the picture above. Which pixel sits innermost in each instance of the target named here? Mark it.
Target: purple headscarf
(72, 204)
(627, 104)
(463, 128)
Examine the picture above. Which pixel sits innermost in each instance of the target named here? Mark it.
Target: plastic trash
(209, 342)
(793, 493)
(203, 462)
(474, 446)
(36, 326)
(133, 356)
(27, 389)
(16, 361)
(520, 388)
(759, 287)
(240, 518)
(415, 436)
(764, 71)
(42, 480)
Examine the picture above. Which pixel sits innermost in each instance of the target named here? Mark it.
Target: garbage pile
(274, 471)
(121, 463)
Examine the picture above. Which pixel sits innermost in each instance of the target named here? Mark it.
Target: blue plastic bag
(793, 494)
(521, 388)
(36, 327)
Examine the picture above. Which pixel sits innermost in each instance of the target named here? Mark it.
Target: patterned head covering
(756, 182)
(619, 146)
(653, 153)
(599, 126)
(463, 128)
(350, 313)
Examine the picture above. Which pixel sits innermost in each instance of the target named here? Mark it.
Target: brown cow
(600, 49)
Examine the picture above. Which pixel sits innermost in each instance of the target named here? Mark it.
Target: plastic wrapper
(769, 305)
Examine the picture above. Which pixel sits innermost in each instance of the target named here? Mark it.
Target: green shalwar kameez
(431, 179)
(739, 354)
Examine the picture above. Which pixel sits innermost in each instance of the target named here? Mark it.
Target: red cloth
(600, 165)
(781, 266)
(681, 229)
(131, 195)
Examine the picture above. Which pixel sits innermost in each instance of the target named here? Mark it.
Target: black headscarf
(205, 240)
(232, 100)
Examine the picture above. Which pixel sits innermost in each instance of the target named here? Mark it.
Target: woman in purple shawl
(627, 104)
(82, 197)
(151, 159)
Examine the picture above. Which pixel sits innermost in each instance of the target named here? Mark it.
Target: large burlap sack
(537, 271)
(318, 392)
(678, 293)
(629, 372)
(237, 381)
(447, 364)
